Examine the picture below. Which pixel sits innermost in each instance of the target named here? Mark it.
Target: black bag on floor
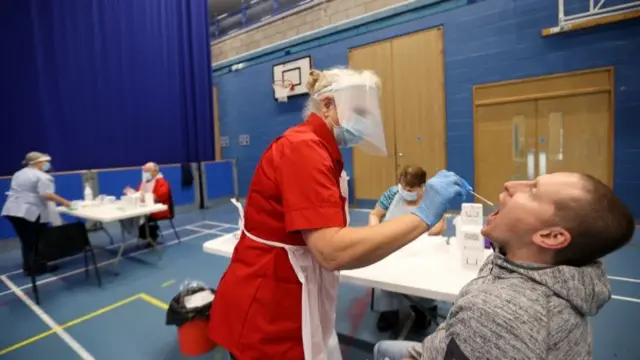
(181, 312)
(59, 242)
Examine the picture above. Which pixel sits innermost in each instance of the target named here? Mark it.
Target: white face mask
(407, 195)
(146, 176)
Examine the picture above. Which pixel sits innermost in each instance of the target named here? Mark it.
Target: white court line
(116, 244)
(219, 224)
(624, 298)
(211, 231)
(82, 269)
(624, 279)
(64, 335)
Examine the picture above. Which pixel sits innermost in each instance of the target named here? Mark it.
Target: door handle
(542, 163)
(531, 165)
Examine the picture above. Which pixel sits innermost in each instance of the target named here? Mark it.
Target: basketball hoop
(282, 88)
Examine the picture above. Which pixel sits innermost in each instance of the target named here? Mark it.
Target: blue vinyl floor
(125, 318)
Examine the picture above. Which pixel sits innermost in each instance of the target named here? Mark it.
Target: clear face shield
(45, 159)
(359, 114)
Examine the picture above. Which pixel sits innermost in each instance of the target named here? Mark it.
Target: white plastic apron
(51, 214)
(146, 187)
(54, 216)
(240, 219)
(319, 292)
(386, 300)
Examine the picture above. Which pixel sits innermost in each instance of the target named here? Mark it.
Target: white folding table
(117, 211)
(430, 267)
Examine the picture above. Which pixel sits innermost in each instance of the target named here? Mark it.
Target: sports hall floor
(125, 318)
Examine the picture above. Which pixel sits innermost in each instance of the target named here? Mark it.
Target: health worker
(398, 200)
(30, 205)
(277, 298)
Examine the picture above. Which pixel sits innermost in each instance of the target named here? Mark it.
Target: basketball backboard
(296, 71)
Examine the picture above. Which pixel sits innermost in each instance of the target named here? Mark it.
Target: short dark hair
(599, 224)
(412, 176)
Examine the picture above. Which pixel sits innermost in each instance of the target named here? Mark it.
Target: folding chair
(170, 219)
(60, 242)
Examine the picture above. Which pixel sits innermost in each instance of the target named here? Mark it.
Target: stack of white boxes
(468, 234)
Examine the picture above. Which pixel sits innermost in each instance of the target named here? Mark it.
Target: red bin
(193, 338)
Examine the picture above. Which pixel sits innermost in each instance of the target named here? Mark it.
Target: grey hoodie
(521, 312)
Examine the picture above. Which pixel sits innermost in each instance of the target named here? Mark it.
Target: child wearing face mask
(398, 200)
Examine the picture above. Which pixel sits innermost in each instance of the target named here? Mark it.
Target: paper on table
(198, 299)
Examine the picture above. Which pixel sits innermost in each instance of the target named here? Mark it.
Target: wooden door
(419, 100)
(374, 174)
(568, 126)
(573, 135)
(505, 146)
(216, 126)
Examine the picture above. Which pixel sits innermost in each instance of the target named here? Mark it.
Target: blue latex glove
(441, 191)
(466, 187)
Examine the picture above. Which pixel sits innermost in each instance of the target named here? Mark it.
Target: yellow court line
(75, 322)
(153, 301)
(168, 283)
(164, 306)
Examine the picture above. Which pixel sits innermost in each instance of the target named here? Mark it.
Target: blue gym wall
(487, 41)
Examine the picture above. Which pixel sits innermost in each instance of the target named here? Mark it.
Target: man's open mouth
(493, 215)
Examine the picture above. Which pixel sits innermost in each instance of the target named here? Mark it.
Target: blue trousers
(392, 350)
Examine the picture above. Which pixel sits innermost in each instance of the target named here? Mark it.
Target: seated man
(533, 297)
(398, 200)
(152, 182)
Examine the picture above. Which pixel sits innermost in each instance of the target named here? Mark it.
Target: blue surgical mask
(406, 195)
(146, 177)
(46, 166)
(347, 137)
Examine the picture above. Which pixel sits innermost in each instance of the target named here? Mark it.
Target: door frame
(441, 88)
(598, 80)
(216, 126)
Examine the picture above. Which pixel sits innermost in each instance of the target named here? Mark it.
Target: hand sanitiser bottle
(88, 193)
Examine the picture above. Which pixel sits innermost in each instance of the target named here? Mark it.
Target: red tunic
(296, 186)
(162, 195)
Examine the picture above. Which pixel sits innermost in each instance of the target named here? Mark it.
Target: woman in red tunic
(277, 298)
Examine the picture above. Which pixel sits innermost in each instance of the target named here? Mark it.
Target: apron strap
(272, 243)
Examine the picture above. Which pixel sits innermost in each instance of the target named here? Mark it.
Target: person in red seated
(152, 182)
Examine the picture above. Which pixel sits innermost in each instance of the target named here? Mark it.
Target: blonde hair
(321, 80)
(35, 156)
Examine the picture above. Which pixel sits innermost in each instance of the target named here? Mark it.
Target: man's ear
(553, 238)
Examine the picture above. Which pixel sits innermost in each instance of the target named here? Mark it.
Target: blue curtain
(105, 83)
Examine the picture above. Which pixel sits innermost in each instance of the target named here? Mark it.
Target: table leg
(121, 250)
(104, 229)
(408, 323)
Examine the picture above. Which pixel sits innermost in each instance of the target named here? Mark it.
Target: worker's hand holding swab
(442, 190)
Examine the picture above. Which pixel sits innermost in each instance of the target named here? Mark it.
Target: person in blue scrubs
(27, 207)
(398, 200)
